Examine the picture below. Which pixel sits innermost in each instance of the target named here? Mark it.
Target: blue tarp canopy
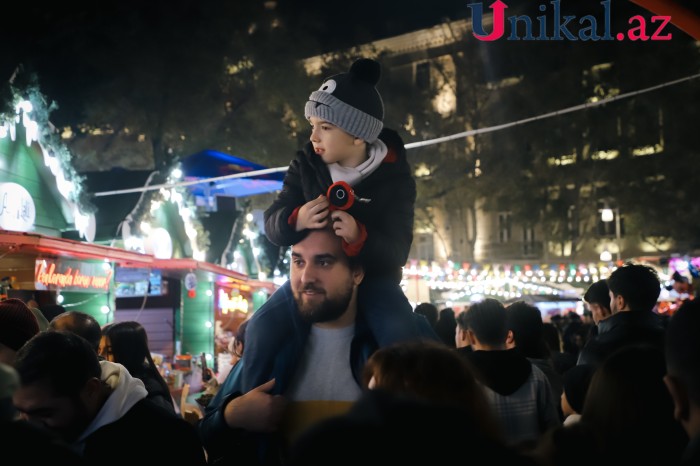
(209, 164)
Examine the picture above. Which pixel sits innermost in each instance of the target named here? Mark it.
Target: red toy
(341, 196)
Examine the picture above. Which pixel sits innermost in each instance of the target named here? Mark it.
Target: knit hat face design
(17, 323)
(351, 101)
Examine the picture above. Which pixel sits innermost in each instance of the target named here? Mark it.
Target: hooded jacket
(126, 428)
(518, 392)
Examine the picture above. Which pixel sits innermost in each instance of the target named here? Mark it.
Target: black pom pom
(366, 70)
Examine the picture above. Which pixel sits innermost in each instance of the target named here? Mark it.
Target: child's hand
(345, 226)
(313, 214)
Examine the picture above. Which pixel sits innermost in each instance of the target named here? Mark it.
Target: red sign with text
(72, 275)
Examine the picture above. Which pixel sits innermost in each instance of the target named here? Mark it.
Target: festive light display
(32, 112)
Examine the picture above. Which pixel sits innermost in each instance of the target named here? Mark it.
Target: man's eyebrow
(317, 257)
(326, 256)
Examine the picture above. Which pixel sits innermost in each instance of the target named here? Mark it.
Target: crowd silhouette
(506, 386)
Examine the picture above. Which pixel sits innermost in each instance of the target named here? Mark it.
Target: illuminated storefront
(196, 305)
(62, 272)
(234, 303)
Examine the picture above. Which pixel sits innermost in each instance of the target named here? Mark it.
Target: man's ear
(358, 141)
(91, 393)
(462, 334)
(620, 302)
(679, 394)
(472, 338)
(358, 274)
(510, 339)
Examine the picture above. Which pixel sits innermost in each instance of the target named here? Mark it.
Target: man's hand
(313, 214)
(345, 226)
(257, 410)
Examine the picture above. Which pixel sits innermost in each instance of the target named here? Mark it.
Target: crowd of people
(629, 395)
(336, 367)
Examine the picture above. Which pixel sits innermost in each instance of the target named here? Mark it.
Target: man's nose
(308, 275)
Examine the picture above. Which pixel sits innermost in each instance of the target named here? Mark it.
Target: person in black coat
(446, 326)
(683, 374)
(635, 289)
(97, 407)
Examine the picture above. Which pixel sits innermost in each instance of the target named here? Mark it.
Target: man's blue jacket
(225, 445)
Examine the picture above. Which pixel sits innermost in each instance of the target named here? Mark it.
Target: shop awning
(13, 243)
(178, 268)
(22, 246)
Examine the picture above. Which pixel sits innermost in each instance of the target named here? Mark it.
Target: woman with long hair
(127, 344)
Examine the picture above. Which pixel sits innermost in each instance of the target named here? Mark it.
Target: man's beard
(328, 310)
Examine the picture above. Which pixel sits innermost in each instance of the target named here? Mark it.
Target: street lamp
(608, 215)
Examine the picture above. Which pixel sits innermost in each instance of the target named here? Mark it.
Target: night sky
(62, 41)
(38, 32)
(66, 44)
(35, 32)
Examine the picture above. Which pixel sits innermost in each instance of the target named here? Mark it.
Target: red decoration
(191, 293)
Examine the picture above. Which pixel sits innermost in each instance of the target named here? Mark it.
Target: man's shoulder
(135, 431)
(270, 310)
(148, 409)
(141, 419)
(538, 376)
(630, 325)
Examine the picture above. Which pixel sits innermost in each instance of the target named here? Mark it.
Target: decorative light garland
(144, 218)
(508, 280)
(29, 108)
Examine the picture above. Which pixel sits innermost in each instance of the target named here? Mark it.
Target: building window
(528, 241)
(504, 227)
(572, 222)
(423, 75)
(425, 248)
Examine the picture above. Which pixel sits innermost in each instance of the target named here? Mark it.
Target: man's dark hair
(429, 310)
(63, 359)
(81, 324)
(129, 343)
(525, 321)
(598, 293)
(638, 284)
(487, 319)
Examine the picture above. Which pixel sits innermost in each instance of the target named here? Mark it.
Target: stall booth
(47, 224)
(234, 304)
(179, 302)
(62, 274)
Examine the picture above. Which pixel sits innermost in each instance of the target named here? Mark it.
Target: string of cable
(427, 142)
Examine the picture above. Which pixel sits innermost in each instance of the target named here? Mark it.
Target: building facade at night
(578, 215)
(585, 141)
